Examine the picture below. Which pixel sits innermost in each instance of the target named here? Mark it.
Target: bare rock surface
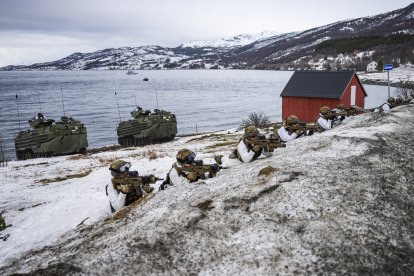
(340, 202)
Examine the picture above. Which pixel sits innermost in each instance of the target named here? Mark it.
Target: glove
(342, 118)
(192, 176)
(153, 179)
(257, 148)
(298, 132)
(126, 189)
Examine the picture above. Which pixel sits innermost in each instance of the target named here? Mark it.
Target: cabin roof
(318, 84)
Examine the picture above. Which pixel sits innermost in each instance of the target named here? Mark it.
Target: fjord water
(203, 100)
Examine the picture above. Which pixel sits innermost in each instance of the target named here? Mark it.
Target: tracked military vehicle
(47, 138)
(147, 128)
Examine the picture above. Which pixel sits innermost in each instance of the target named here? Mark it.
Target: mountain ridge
(266, 50)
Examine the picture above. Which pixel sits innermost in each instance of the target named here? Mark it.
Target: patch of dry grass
(70, 176)
(107, 160)
(33, 206)
(222, 144)
(126, 210)
(38, 164)
(266, 171)
(151, 155)
(209, 136)
(78, 157)
(102, 149)
(205, 205)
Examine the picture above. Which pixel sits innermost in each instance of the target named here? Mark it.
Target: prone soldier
(127, 186)
(326, 118)
(188, 170)
(250, 147)
(293, 128)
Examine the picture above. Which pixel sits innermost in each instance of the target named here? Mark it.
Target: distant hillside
(349, 44)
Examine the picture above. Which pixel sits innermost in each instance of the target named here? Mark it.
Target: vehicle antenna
(119, 112)
(38, 98)
(156, 93)
(63, 102)
(135, 96)
(18, 112)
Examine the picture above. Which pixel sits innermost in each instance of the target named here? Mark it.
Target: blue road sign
(387, 67)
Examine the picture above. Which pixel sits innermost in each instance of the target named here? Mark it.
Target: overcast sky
(45, 30)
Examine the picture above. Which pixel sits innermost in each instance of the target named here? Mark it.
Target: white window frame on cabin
(353, 94)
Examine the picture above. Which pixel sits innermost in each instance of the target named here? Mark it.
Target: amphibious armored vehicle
(147, 128)
(47, 138)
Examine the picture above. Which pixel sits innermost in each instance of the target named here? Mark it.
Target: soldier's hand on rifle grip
(257, 148)
(125, 188)
(298, 132)
(153, 179)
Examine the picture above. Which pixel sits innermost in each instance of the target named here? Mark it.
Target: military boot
(218, 158)
(233, 155)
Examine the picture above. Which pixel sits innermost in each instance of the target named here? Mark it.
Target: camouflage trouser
(147, 188)
(2, 223)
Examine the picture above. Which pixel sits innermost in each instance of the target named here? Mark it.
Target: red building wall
(359, 97)
(307, 109)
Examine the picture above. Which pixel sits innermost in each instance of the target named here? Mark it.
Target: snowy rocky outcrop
(339, 202)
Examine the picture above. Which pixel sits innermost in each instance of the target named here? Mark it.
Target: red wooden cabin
(307, 91)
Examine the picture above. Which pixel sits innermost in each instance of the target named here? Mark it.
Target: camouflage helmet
(391, 100)
(250, 132)
(119, 166)
(340, 106)
(399, 101)
(185, 156)
(324, 110)
(292, 120)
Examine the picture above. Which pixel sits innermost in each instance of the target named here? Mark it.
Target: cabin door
(353, 94)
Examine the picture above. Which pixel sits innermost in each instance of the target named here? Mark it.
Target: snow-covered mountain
(349, 44)
(231, 42)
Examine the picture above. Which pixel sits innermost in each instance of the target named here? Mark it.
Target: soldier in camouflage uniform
(324, 122)
(124, 194)
(244, 152)
(284, 133)
(185, 158)
(391, 103)
(339, 119)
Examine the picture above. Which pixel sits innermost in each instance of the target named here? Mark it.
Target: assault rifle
(269, 144)
(200, 168)
(355, 110)
(135, 180)
(304, 127)
(333, 115)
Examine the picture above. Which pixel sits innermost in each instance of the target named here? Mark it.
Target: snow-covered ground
(400, 74)
(41, 211)
(339, 202)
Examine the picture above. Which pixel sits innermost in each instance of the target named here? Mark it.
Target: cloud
(64, 27)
